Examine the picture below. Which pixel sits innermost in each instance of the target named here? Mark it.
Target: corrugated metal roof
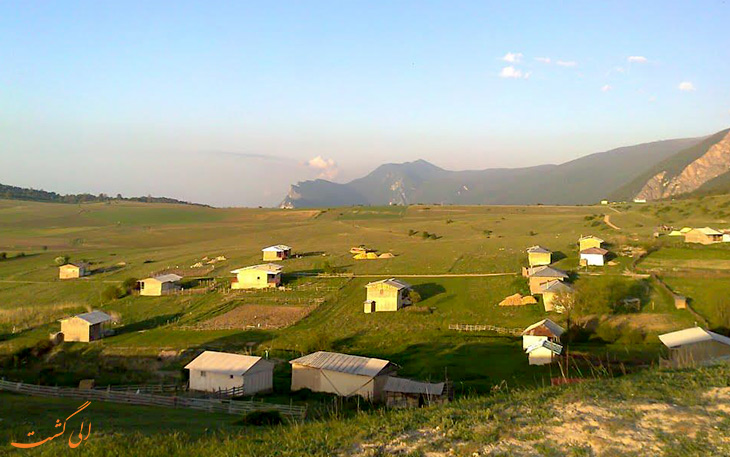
(554, 328)
(278, 248)
(94, 317)
(166, 278)
(546, 271)
(590, 237)
(407, 386)
(77, 264)
(555, 348)
(538, 250)
(598, 251)
(223, 362)
(556, 286)
(398, 284)
(266, 268)
(691, 336)
(343, 363)
(708, 231)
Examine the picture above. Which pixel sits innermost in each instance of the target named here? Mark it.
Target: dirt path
(607, 220)
(427, 275)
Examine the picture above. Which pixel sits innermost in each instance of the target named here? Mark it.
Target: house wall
(695, 236)
(69, 272)
(342, 384)
(274, 255)
(386, 298)
(585, 244)
(213, 382)
(535, 283)
(699, 352)
(254, 279)
(75, 329)
(593, 259)
(260, 378)
(540, 356)
(536, 259)
(150, 288)
(548, 300)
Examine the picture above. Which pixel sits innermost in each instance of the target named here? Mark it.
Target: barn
(237, 374)
(342, 374)
(695, 346)
(73, 270)
(541, 341)
(84, 327)
(277, 252)
(257, 277)
(160, 285)
(386, 295)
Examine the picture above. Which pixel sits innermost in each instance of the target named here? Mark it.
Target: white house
(541, 341)
(214, 371)
(277, 252)
(696, 346)
(593, 256)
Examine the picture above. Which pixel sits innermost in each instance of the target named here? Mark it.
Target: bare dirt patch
(258, 316)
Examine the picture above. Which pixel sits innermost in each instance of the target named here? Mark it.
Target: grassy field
(155, 336)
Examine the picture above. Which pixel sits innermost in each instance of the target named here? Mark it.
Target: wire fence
(486, 328)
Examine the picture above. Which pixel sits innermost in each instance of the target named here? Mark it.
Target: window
(202, 374)
(231, 376)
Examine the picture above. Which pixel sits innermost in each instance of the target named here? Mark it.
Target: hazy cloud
(543, 59)
(512, 72)
(512, 57)
(686, 86)
(566, 63)
(243, 155)
(327, 168)
(606, 88)
(637, 59)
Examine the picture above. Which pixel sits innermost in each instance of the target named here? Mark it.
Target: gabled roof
(538, 250)
(278, 248)
(92, 318)
(398, 284)
(556, 286)
(223, 362)
(545, 327)
(343, 363)
(265, 267)
(598, 251)
(555, 348)
(165, 278)
(708, 231)
(76, 264)
(407, 386)
(590, 237)
(691, 336)
(546, 271)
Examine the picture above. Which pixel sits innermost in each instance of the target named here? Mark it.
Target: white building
(214, 371)
(541, 341)
(593, 256)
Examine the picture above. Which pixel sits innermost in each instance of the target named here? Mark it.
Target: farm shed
(538, 255)
(277, 252)
(341, 374)
(214, 371)
(160, 285)
(257, 277)
(386, 295)
(84, 327)
(541, 342)
(589, 241)
(552, 291)
(540, 275)
(73, 270)
(694, 346)
(593, 256)
(705, 235)
(726, 236)
(406, 393)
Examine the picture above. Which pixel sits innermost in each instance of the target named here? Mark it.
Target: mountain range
(651, 171)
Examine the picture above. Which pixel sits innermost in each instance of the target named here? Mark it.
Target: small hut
(84, 327)
(541, 342)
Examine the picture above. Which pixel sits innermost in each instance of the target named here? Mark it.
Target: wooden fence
(114, 396)
(486, 328)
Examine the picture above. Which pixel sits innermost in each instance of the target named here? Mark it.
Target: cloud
(637, 59)
(543, 59)
(566, 63)
(327, 168)
(512, 72)
(606, 88)
(686, 86)
(512, 57)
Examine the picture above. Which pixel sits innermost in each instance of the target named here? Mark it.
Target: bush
(608, 333)
(414, 296)
(61, 260)
(261, 418)
(129, 285)
(112, 293)
(3, 255)
(412, 232)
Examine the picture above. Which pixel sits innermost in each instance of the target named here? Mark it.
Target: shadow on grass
(557, 256)
(148, 324)
(429, 290)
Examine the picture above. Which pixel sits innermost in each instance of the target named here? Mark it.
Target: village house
(257, 277)
(160, 285)
(726, 236)
(593, 257)
(551, 292)
(84, 327)
(705, 235)
(386, 295)
(341, 374)
(541, 341)
(538, 255)
(278, 252)
(406, 393)
(589, 241)
(238, 374)
(695, 346)
(540, 275)
(73, 270)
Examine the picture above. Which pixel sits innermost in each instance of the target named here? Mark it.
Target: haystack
(529, 300)
(360, 256)
(386, 255)
(512, 300)
(371, 255)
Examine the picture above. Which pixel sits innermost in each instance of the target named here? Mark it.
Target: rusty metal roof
(343, 363)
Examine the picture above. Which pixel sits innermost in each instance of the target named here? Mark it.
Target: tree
(414, 296)
(61, 260)
(112, 293)
(129, 285)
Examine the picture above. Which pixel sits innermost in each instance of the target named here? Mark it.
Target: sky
(228, 103)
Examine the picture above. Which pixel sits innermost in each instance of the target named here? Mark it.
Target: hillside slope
(581, 181)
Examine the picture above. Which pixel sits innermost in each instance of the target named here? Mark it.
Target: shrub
(261, 418)
(129, 285)
(414, 296)
(3, 255)
(61, 260)
(412, 232)
(112, 293)
(608, 333)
